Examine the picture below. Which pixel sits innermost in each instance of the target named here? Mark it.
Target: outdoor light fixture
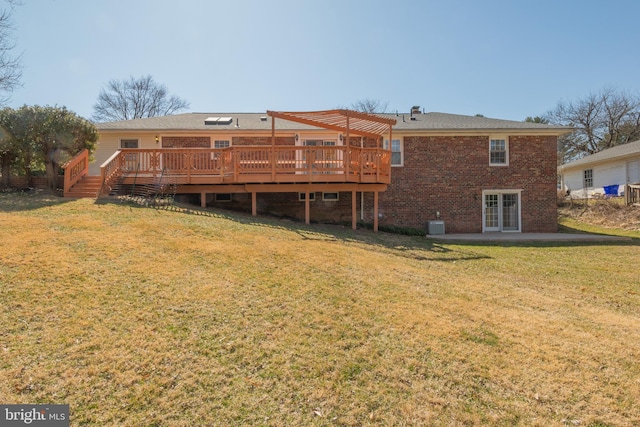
(157, 139)
(341, 137)
(296, 137)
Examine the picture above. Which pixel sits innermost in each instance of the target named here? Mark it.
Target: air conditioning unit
(435, 227)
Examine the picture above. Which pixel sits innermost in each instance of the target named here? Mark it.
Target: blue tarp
(611, 190)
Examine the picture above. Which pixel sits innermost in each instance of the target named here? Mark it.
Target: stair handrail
(110, 170)
(75, 169)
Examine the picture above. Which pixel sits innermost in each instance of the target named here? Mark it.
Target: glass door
(501, 212)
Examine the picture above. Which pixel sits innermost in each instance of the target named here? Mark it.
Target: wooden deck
(252, 165)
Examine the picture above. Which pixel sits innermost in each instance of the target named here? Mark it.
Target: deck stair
(86, 187)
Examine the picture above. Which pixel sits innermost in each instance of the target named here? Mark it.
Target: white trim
(501, 192)
(385, 143)
(312, 196)
(317, 136)
(504, 138)
(584, 178)
(214, 140)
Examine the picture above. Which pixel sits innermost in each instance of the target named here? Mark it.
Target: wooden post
(354, 211)
(627, 196)
(306, 208)
(375, 211)
(254, 205)
(203, 200)
(346, 156)
(273, 148)
(189, 165)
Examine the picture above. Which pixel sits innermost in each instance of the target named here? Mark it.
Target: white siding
(633, 172)
(604, 174)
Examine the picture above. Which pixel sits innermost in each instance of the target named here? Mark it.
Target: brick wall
(262, 140)
(287, 205)
(448, 175)
(367, 142)
(441, 174)
(186, 142)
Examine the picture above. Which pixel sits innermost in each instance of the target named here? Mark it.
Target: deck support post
(375, 211)
(254, 205)
(306, 208)
(354, 211)
(203, 200)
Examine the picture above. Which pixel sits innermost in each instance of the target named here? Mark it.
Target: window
(587, 181)
(396, 151)
(498, 152)
(221, 143)
(301, 197)
(330, 197)
(131, 161)
(128, 143)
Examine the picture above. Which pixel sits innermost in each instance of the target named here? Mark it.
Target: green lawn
(136, 316)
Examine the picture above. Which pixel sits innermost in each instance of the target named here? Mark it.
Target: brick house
(474, 173)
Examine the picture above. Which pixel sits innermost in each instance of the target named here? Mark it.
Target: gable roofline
(405, 124)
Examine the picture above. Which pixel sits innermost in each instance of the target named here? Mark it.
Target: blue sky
(500, 58)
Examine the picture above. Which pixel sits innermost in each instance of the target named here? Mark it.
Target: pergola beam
(346, 121)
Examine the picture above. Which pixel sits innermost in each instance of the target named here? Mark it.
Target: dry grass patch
(155, 317)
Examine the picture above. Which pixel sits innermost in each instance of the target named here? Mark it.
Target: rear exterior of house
(470, 174)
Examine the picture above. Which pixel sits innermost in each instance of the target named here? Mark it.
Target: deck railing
(75, 169)
(632, 194)
(110, 171)
(248, 164)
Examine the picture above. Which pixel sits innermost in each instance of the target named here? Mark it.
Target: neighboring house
(474, 173)
(612, 167)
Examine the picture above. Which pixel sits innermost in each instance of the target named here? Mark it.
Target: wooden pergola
(348, 122)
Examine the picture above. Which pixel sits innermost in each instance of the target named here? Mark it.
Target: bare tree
(10, 65)
(601, 120)
(368, 105)
(135, 98)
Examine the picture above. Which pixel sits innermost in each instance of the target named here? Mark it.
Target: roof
(261, 122)
(617, 152)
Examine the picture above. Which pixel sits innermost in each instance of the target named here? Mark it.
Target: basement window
(330, 197)
(301, 197)
(222, 197)
(212, 121)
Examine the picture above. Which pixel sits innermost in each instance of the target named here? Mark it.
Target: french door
(501, 211)
(325, 159)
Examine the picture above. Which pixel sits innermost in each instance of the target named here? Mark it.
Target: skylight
(218, 120)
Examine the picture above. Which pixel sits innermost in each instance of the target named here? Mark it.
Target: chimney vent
(415, 110)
